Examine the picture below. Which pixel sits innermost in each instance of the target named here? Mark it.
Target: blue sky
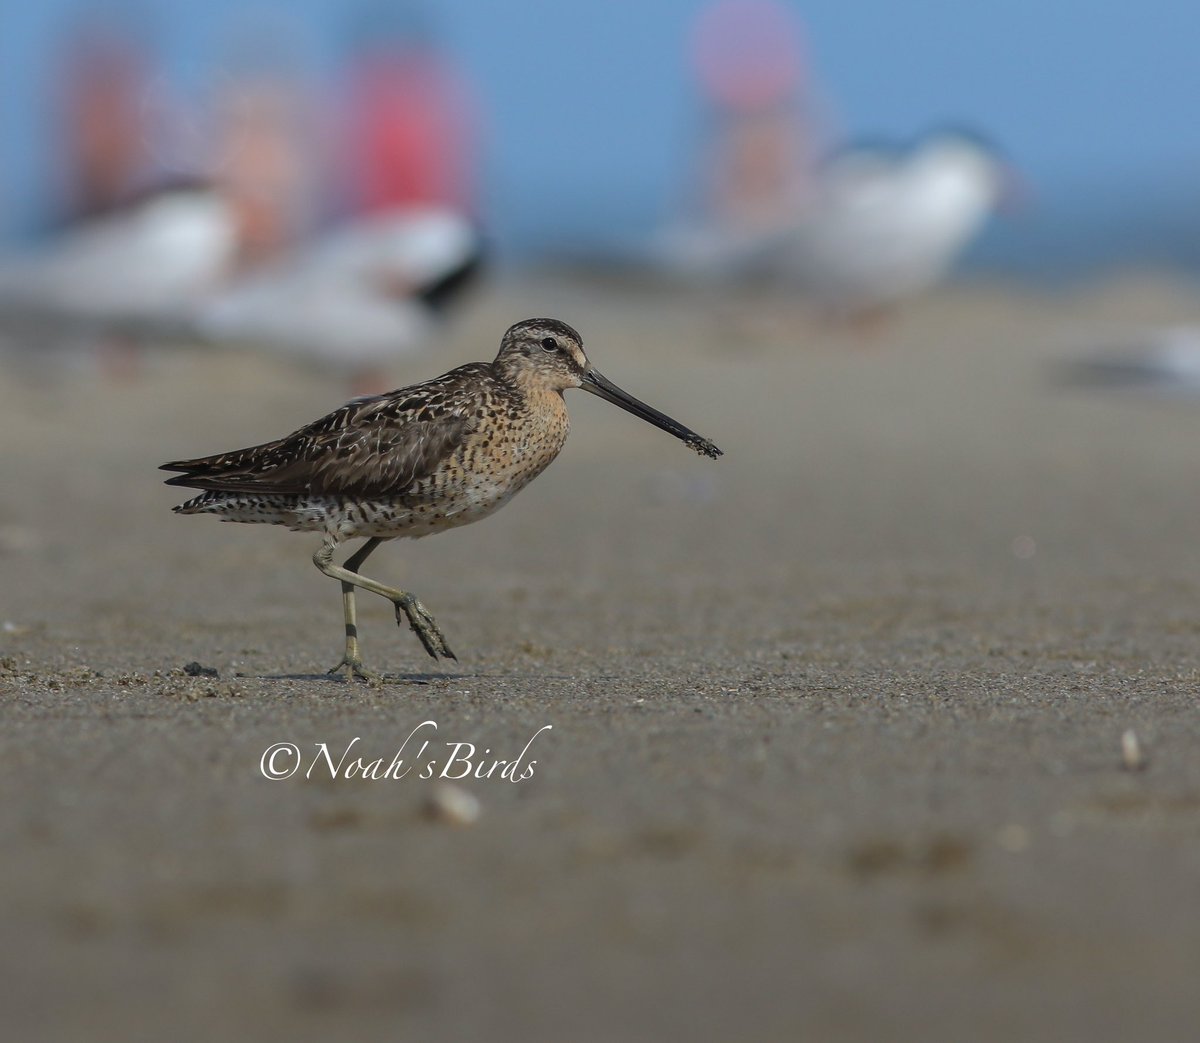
(591, 113)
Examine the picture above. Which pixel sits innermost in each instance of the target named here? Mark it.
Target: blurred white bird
(366, 293)
(882, 227)
(1164, 359)
(141, 264)
(876, 226)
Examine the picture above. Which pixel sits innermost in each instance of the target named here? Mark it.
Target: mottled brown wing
(371, 446)
(372, 455)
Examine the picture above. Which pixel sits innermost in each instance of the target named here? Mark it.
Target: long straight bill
(609, 391)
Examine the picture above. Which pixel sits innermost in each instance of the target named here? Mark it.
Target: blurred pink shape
(409, 131)
(103, 83)
(748, 54)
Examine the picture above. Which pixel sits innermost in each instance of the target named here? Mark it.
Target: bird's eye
(550, 344)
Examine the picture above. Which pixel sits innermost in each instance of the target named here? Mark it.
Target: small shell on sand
(452, 805)
(1132, 758)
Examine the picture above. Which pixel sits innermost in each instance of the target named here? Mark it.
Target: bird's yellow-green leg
(351, 662)
(417, 616)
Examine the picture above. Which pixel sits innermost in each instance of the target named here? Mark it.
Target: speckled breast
(494, 463)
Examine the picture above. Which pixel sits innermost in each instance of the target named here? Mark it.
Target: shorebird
(413, 462)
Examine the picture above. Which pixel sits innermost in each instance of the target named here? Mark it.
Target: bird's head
(543, 352)
(548, 354)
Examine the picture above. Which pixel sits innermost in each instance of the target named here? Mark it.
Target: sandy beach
(835, 744)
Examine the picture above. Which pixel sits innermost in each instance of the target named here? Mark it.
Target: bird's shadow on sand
(337, 679)
(402, 679)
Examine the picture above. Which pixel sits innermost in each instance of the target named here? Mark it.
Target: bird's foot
(424, 626)
(353, 669)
